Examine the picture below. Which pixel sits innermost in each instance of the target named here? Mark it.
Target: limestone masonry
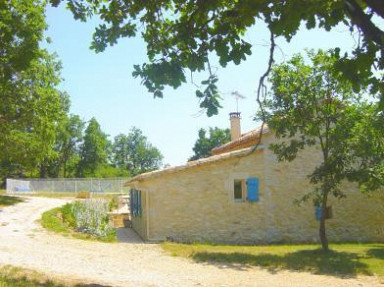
(208, 200)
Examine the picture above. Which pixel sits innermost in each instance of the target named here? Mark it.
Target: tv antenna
(237, 96)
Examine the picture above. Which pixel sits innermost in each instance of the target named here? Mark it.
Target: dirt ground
(24, 243)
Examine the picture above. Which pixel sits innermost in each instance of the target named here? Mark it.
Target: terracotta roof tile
(246, 140)
(192, 164)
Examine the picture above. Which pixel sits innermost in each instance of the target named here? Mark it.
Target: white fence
(67, 185)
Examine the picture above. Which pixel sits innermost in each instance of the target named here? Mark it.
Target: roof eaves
(192, 164)
(254, 134)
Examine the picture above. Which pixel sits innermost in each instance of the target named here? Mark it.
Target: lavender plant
(92, 217)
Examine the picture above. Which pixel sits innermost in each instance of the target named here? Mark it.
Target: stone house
(243, 195)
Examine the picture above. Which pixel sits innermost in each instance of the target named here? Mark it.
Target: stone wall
(197, 205)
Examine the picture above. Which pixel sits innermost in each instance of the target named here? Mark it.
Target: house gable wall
(197, 204)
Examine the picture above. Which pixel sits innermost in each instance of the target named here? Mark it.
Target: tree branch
(363, 21)
(261, 90)
(377, 6)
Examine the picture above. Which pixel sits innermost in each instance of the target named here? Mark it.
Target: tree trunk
(65, 170)
(42, 172)
(322, 231)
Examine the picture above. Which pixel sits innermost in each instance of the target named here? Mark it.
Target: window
(246, 189)
(238, 190)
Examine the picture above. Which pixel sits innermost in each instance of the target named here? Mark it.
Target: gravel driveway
(24, 243)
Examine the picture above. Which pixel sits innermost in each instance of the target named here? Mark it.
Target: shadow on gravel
(339, 264)
(127, 235)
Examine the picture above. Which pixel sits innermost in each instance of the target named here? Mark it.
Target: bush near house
(91, 217)
(86, 219)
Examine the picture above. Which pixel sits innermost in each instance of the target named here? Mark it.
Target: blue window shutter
(136, 202)
(131, 202)
(318, 212)
(253, 189)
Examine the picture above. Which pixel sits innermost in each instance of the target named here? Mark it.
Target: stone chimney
(235, 125)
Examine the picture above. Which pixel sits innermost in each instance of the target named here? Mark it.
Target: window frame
(243, 177)
(243, 186)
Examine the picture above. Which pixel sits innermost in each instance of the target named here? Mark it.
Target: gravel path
(24, 243)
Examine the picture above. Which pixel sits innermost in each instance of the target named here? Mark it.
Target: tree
(120, 151)
(30, 107)
(69, 135)
(312, 105)
(22, 25)
(134, 153)
(181, 35)
(93, 151)
(68, 140)
(204, 144)
(30, 112)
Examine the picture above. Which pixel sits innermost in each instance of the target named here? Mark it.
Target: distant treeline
(38, 135)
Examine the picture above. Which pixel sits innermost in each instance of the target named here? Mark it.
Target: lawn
(17, 277)
(344, 260)
(6, 200)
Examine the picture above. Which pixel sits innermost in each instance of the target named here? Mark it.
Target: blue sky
(101, 85)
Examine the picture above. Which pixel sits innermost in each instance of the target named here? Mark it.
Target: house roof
(193, 164)
(245, 140)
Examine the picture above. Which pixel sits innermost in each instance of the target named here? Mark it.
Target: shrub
(91, 217)
(88, 218)
(67, 215)
(112, 205)
(52, 221)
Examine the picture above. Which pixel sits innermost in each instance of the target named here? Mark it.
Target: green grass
(344, 260)
(6, 200)
(14, 277)
(17, 277)
(60, 220)
(53, 194)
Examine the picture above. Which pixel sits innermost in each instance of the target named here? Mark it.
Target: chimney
(235, 125)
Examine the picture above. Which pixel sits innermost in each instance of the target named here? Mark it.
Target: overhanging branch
(261, 90)
(363, 21)
(377, 6)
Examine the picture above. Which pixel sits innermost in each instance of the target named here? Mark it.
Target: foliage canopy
(181, 35)
(204, 144)
(312, 106)
(93, 151)
(134, 153)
